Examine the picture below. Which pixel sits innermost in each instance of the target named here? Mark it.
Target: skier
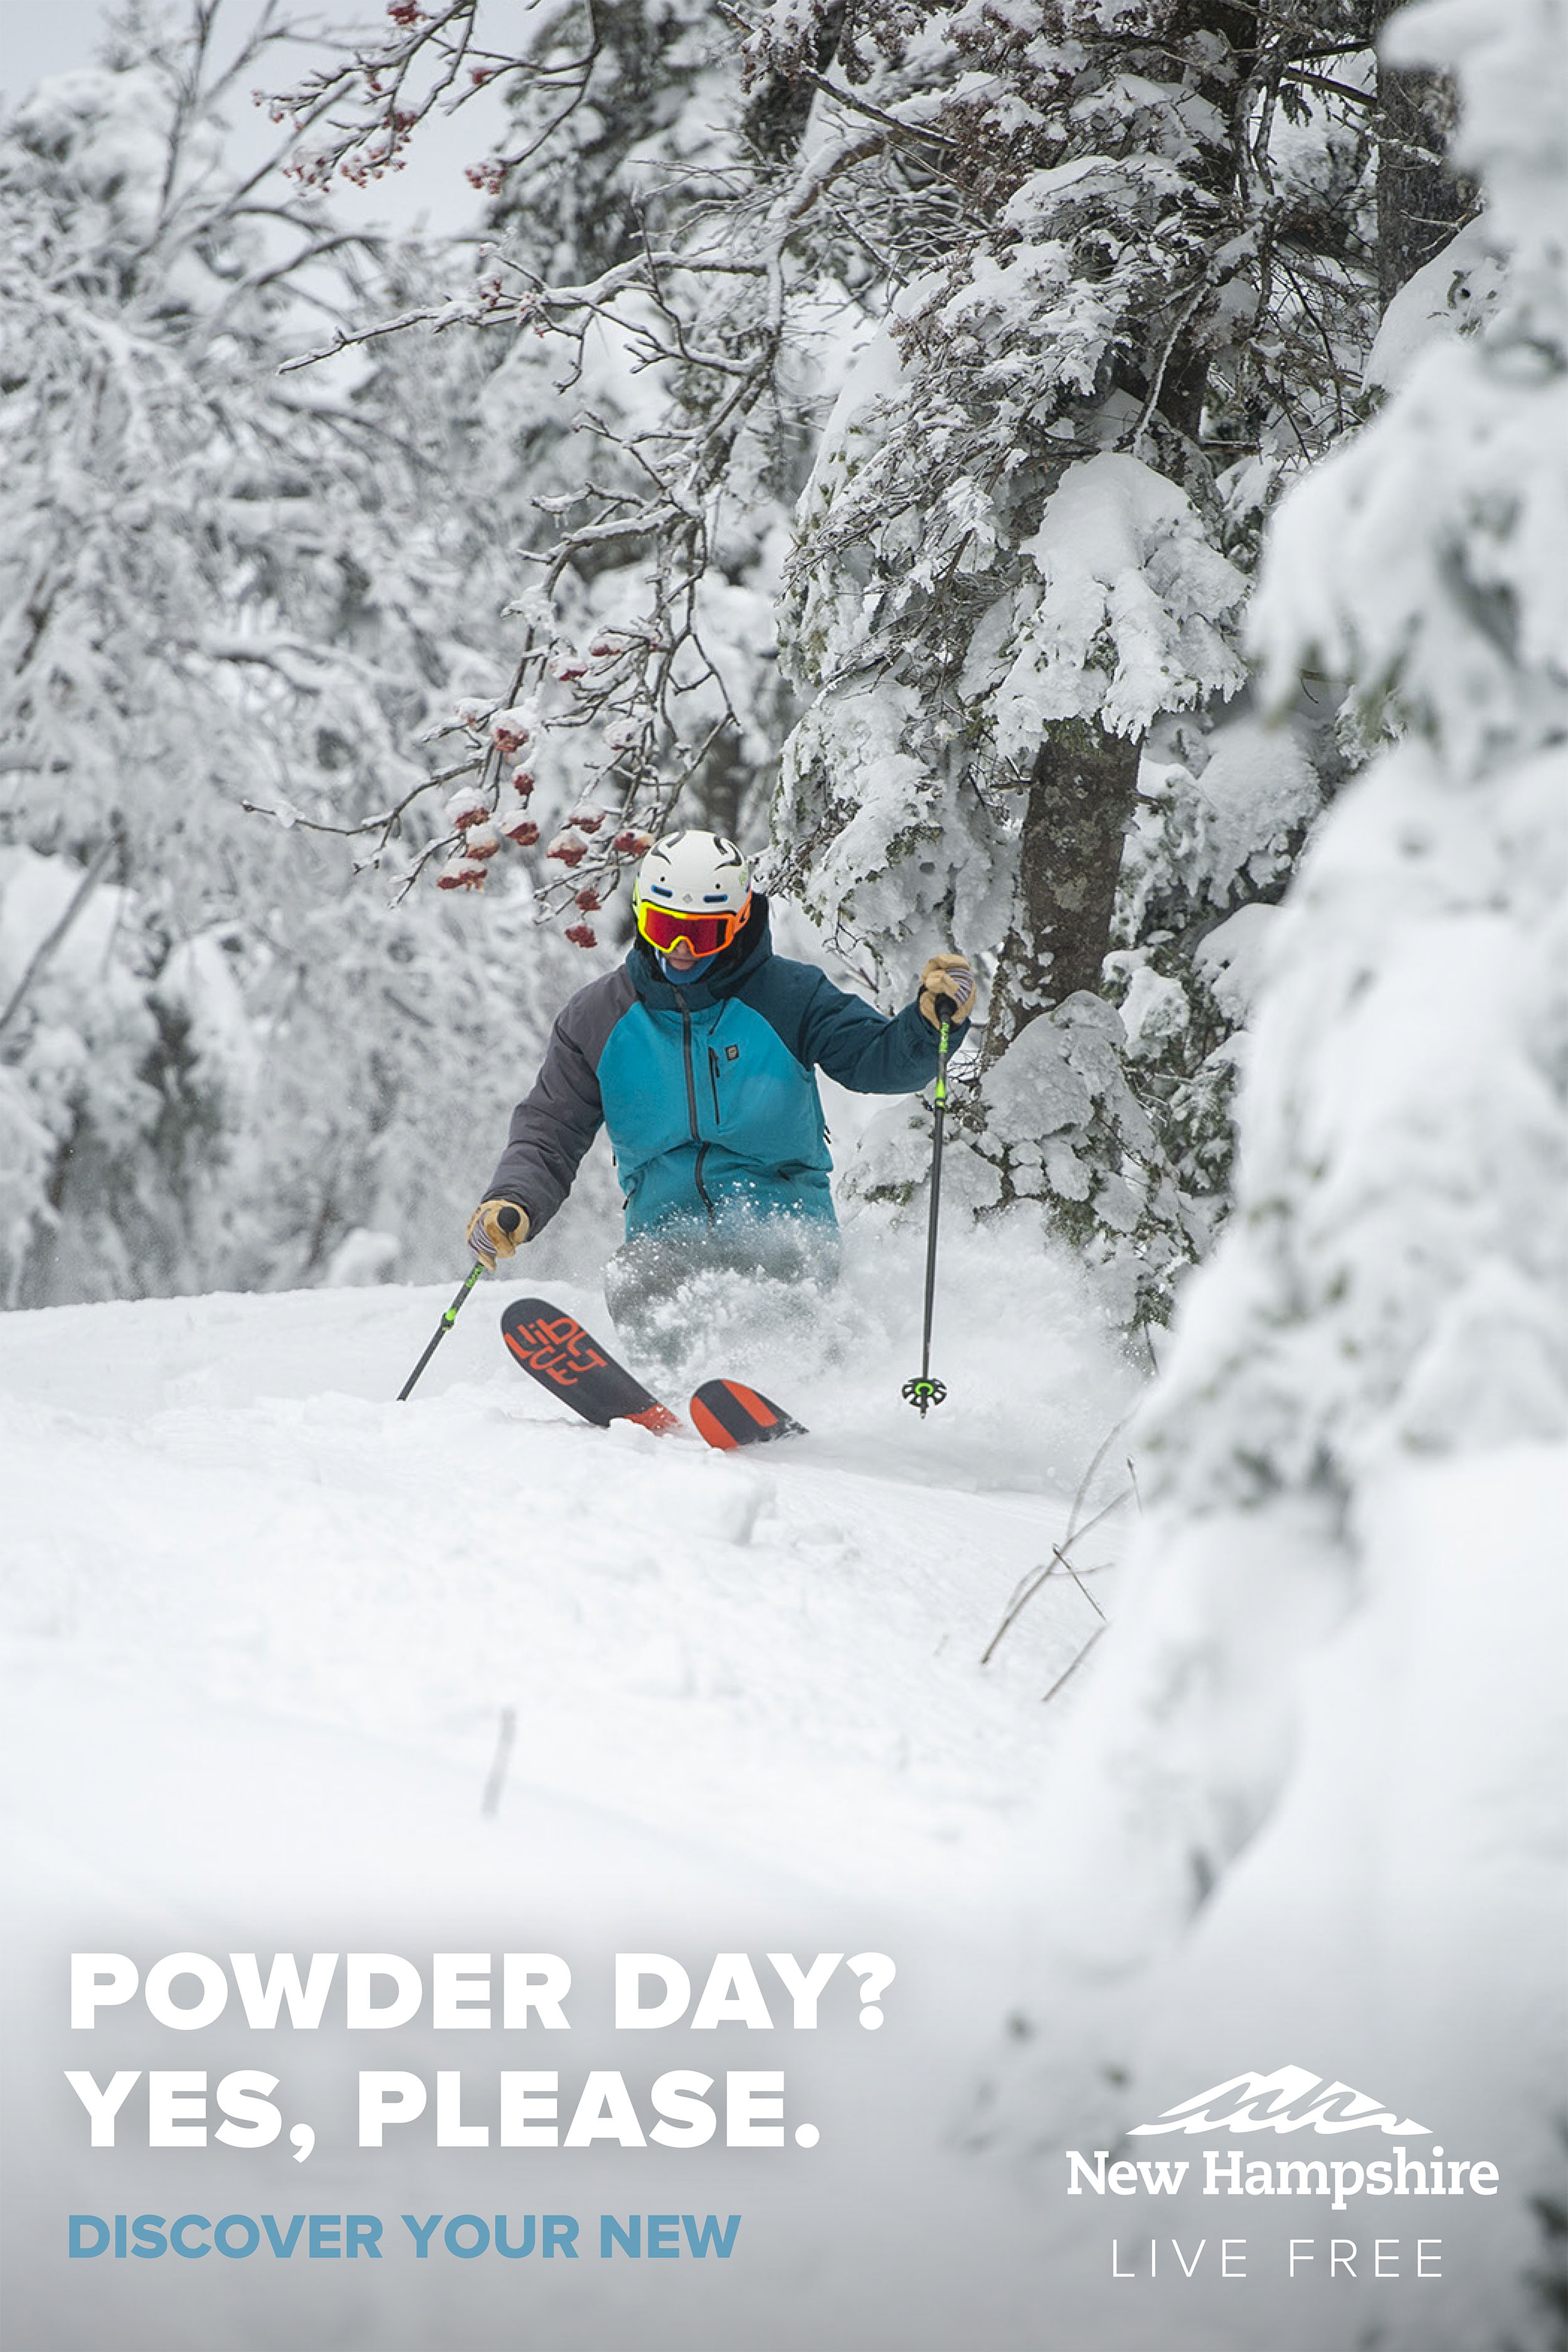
(698, 1055)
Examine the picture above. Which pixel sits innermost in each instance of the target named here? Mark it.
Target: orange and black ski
(553, 1346)
(727, 1416)
(555, 1349)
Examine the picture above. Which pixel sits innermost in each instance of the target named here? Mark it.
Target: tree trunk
(1079, 805)
(1421, 200)
(774, 124)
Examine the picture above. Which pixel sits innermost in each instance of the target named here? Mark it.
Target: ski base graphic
(728, 1415)
(554, 1349)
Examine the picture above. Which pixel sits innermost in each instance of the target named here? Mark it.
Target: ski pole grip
(508, 1218)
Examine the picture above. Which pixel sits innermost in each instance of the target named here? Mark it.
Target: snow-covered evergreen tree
(1404, 1274)
(1146, 293)
(1373, 1372)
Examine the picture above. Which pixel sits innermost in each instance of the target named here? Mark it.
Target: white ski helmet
(695, 873)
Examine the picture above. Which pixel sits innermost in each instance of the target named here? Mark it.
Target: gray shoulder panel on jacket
(587, 1018)
(557, 1120)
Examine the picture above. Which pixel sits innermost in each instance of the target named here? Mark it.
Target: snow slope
(261, 1627)
(261, 1624)
(282, 1534)
(1392, 1916)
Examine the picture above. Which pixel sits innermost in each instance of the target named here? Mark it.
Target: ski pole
(924, 1392)
(509, 1221)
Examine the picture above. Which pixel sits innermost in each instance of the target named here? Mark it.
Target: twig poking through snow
(1082, 1587)
(1026, 1592)
(506, 1736)
(1074, 1667)
(1101, 1451)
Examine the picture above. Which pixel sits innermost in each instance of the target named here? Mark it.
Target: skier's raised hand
(947, 976)
(495, 1229)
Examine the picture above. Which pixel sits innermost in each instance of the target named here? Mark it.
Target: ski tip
(729, 1414)
(549, 1343)
(707, 1424)
(566, 1361)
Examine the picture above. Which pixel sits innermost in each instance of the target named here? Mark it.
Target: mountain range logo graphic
(1289, 2100)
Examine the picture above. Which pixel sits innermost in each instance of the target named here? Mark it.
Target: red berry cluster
(509, 734)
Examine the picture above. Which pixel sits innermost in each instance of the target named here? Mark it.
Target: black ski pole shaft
(938, 1130)
(923, 1392)
(445, 1325)
(509, 1221)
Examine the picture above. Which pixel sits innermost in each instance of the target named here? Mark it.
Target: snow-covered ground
(219, 1495)
(262, 1623)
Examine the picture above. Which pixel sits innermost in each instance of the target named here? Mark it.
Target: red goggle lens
(661, 926)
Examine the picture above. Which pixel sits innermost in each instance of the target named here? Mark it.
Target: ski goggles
(665, 927)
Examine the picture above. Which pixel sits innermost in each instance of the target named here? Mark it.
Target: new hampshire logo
(1289, 2100)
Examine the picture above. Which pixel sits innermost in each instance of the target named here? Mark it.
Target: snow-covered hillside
(677, 1629)
(261, 1627)
(262, 1623)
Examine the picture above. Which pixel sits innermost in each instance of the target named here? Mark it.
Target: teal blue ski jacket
(708, 1089)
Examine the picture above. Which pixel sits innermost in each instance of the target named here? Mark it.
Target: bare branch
(1033, 1583)
(1099, 1631)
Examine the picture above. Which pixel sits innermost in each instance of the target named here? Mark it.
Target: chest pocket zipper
(714, 1082)
(702, 1193)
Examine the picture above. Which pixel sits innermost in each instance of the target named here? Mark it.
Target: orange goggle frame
(705, 935)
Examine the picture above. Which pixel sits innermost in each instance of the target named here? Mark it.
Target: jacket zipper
(691, 1114)
(714, 1082)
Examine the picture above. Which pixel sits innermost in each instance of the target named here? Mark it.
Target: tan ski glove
(489, 1238)
(949, 976)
